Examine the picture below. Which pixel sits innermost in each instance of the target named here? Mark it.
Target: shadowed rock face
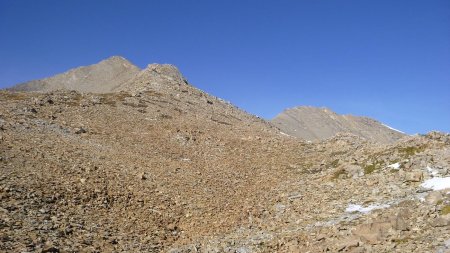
(312, 123)
(102, 77)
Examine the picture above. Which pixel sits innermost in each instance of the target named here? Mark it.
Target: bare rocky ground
(169, 168)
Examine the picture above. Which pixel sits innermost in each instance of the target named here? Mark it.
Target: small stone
(171, 227)
(439, 222)
(348, 243)
(422, 190)
(433, 198)
(142, 176)
(243, 250)
(399, 223)
(321, 237)
(50, 249)
(415, 176)
(80, 130)
(373, 233)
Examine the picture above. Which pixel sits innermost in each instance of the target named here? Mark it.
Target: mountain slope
(104, 76)
(160, 166)
(312, 123)
(156, 172)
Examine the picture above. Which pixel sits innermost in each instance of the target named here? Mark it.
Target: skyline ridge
(116, 59)
(386, 60)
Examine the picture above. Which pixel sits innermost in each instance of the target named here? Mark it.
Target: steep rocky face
(312, 123)
(104, 76)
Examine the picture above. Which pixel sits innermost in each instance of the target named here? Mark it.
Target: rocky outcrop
(312, 123)
(157, 77)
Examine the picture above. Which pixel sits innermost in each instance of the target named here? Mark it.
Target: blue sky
(385, 59)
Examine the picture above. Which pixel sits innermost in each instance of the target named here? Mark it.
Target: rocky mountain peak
(320, 123)
(110, 75)
(101, 77)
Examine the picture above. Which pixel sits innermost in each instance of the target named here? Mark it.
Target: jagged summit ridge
(110, 75)
(314, 123)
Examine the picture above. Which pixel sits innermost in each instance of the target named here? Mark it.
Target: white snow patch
(394, 166)
(432, 171)
(284, 134)
(358, 208)
(437, 183)
(393, 128)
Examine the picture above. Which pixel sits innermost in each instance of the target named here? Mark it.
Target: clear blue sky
(385, 59)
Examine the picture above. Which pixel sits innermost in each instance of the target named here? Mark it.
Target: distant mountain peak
(320, 123)
(100, 77)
